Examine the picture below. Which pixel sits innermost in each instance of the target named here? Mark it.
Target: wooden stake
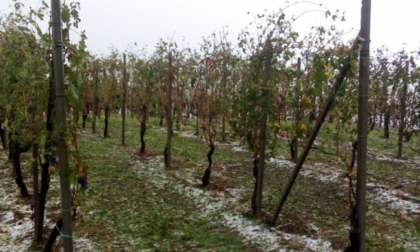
(169, 113)
(66, 232)
(95, 103)
(263, 127)
(362, 127)
(124, 96)
(403, 111)
(295, 144)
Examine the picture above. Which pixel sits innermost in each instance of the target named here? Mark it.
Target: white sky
(123, 22)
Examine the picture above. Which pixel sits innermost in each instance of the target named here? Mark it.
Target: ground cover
(134, 204)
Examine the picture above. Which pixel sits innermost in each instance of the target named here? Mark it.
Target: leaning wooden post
(403, 111)
(263, 126)
(66, 232)
(327, 105)
(169, 113)
(362, 121)
(124, 99)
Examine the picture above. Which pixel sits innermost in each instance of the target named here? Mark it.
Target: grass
(323, 204)
(133, 204)
(133, 212)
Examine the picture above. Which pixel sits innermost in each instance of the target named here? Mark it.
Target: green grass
(132, 212)
(129, 209)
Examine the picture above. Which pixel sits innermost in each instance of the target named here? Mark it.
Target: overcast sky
(123, 22)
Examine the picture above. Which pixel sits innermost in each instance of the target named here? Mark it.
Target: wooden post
(169, 113)
(124, 99)
(263, 127)
(224, 93)
(362, 127)
(295, 144)
(132, 101)
(66, 232)
(95, 103)
(403, 111)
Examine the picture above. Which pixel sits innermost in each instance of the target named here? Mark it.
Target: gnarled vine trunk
(386, 125)
(143, 129)
(45, 185)
(35, 187)
(49, 158)
(106, 121)
(294, 150)
(3, 136)
(17, 149)
(85, 115)
(254, 195)
(353, 234)
(207, 172)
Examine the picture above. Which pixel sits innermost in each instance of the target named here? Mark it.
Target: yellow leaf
(303, 128)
